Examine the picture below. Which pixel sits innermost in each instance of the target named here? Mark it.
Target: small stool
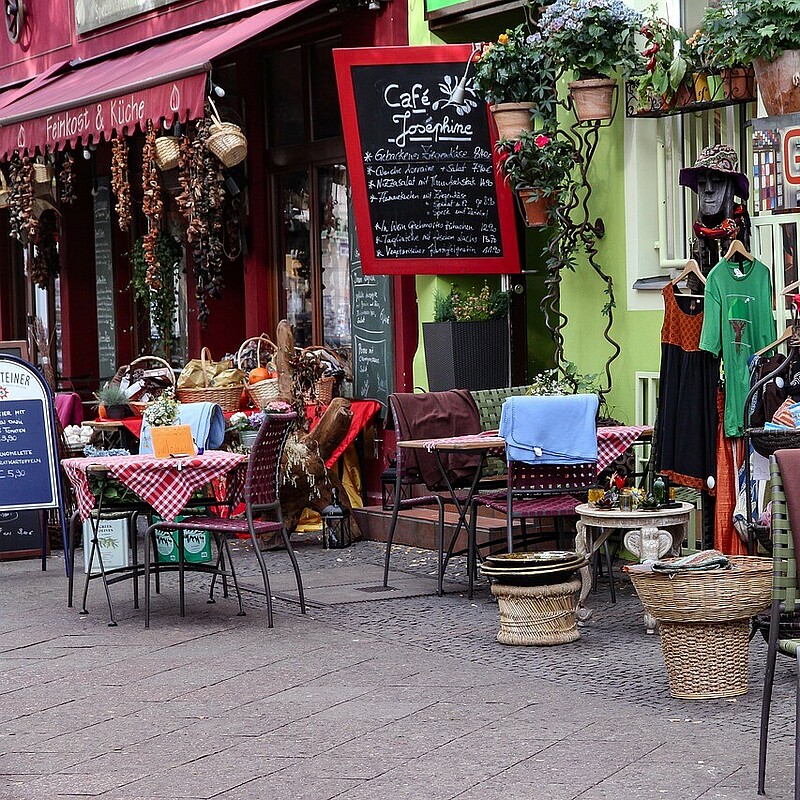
(537, 615)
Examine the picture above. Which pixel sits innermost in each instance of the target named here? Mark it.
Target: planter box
(466, 355)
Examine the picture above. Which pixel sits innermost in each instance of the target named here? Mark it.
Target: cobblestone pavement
(400, 698)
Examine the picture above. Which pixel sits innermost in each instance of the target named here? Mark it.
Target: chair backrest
(490, 406)
(430, 416)
(784, 566)
(262, 482)
(551, 478)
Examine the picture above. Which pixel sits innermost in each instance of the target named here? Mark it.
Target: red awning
(115, 94)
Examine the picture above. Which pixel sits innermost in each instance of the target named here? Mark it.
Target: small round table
(648, 537)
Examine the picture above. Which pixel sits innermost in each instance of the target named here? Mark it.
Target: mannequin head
(714, 193)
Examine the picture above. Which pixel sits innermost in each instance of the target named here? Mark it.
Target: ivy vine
(157, 289)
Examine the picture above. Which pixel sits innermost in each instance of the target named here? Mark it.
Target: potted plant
(246, 426)
(112, 402)
(466, 346)
(766, 34)
(664, 80)
(718, 39)
(518, 79)
(537, 168)
(595, 38)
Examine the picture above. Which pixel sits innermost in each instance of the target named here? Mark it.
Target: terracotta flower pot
(512, 119)
(778, 91)
(738, 83)
(534, 212)
(593, 98)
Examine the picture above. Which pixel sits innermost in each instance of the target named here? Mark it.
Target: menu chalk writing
(425, 188)
(104, 272)
(371, 324)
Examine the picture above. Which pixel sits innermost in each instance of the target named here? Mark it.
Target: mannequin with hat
(717, 181)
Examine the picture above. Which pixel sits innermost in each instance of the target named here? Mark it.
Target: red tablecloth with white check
(165, 484)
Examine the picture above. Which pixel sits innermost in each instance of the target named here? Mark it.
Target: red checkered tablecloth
(614, 440)
(165, 484)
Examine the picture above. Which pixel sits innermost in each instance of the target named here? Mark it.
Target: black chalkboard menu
(420, 154)
(21, 533)
(104, 273)
(371, 325)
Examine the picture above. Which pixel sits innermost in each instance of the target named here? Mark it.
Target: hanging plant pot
(534, 212)
(715, 90)
(738, 83)
(702, 93)
(512, 119)
(775, 81)
(593, 98)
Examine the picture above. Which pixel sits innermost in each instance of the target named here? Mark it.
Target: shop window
(285, 88)
(775, 241)
(326, 121)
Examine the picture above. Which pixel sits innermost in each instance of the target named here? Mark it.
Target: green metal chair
(784, 601)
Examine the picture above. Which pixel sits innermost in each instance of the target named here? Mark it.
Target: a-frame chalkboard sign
(29, 466)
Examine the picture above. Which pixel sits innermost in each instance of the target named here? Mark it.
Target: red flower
(541, 140)
(518, 147)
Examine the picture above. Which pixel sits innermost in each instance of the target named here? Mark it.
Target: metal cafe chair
(260, 491)
(784, 605)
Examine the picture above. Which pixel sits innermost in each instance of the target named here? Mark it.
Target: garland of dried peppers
(44, 256)
(119, 181)
(152, 207)
(66, 180)
(20, 199)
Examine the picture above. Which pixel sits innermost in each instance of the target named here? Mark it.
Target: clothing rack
(760, 534)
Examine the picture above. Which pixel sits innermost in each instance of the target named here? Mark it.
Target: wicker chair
(784, 602)
(260, 493)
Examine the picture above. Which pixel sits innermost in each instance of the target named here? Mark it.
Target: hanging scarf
(727, 229)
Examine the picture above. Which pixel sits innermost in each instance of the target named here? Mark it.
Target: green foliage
(158, 294)
(570, 382)
(593, 37)
(666, 59)
(111, 395)
(735, 32)
(515, 70)
(538, 160)
(466, 306)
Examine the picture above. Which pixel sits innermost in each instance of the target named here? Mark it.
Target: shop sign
(182, 99)
(776, 164)
(419, 143)
(92, 14)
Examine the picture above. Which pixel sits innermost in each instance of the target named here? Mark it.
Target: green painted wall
(638, 333)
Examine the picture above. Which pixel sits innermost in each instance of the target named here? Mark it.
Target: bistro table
(612, 442)
(164, 485)
(648, 537)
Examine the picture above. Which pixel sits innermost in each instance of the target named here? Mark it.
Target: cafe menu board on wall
(104, 273)
(371, 324)
(420, 154)
(28, 464)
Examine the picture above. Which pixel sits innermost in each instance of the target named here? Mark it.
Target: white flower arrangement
(162, 411)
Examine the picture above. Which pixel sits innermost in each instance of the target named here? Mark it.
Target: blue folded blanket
(550, 430)
(205, 419)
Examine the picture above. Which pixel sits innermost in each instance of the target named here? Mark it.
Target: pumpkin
(258, 374)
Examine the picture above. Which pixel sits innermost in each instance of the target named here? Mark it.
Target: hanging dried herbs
(120, 184)
(20, 200)
(201, 200)
(152, 207)
(66, 180)
(44, 252)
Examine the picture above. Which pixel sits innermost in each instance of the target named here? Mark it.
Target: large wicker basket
(766, 441)
(322, 391)
(226, 141)
(262, 391)
(227, 397)
(136, 406)
(705, 623)
(537, 615)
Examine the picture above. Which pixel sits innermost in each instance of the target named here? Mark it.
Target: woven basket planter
(537, 615)
(167, 152)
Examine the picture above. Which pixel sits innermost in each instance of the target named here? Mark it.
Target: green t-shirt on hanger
(738, 321)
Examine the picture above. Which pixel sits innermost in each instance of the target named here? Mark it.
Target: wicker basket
(716, 596)
(226, 140)
(227, 397)
(263, 391)
(136, 406)
(42, 173)
(322, 393)
(706, 661)
(537, 615)
(766, 442)
(167, 152)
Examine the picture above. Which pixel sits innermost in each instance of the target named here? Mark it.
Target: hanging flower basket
(593, 98)
(512, 119)
(534, 211)
(738, 83)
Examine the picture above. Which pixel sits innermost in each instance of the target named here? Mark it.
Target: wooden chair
(784, 602)
(261, 494)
